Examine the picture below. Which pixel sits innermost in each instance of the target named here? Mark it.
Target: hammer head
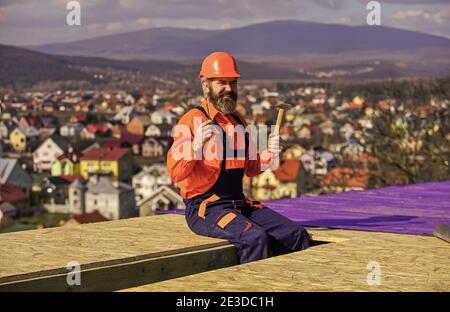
(284, 106)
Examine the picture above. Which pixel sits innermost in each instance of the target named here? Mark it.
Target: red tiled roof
(111, 144)
(89, 217)
(131, 138)
(94, 128)
(80, 117)
(347, 177)
(288, 170)
(105, 154)
(11, 193)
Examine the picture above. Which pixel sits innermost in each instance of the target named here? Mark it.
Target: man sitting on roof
(212, 187)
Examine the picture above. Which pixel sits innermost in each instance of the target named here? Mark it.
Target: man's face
(222, 93)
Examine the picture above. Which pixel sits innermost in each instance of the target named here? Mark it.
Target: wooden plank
(407, 263)
(40, 253)
(135, 273)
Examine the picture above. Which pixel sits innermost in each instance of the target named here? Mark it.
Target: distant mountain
(278, 40)
(23, 68)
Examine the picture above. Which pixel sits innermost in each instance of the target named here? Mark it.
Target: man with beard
(212, 187)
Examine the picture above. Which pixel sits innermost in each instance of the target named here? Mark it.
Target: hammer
(281, 108)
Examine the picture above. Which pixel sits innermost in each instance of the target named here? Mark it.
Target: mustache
(231, 94)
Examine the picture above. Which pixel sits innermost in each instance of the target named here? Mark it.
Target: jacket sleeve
(180, 158)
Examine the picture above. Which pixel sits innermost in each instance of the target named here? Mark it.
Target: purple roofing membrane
(406, 209)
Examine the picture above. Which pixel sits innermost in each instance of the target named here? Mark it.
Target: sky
(34, 22)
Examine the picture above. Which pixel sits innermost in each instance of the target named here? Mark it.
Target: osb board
(43, 252)
(407, 263)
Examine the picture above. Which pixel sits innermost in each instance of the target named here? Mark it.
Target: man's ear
(205, 86)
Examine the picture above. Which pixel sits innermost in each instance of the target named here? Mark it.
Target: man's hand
(203, 133)
(273, 145)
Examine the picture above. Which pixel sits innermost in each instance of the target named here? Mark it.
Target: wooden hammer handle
(279, 120)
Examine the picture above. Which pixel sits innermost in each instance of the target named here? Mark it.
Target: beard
(223, 101)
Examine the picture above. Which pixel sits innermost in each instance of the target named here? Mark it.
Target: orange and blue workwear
(213, 192)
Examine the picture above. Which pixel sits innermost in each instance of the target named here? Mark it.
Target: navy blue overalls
(223, 212)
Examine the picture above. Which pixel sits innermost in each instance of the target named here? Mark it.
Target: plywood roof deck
(42, 253)
(407, 263)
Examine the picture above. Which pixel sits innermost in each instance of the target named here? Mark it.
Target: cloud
(43, 21)
(331, 4)
(426, 21)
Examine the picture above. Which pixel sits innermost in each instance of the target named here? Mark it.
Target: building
(154, 148)
(12, 195)
(48, 152)
(160, 117)
(116, 161)
(113, 199)
(55, 194)
(125, 115)
(148, 180)
(165, 197)
(12, 172)
(71, 130)
(138, 125)
(77, 200)
(24, 139)
(67, 164)
(86, 218)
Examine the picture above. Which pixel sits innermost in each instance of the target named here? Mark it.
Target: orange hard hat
(219, 65)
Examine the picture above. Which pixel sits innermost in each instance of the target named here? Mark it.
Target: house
(351, 148)
(132, 141)
(8, 210)
(71, 130)
(78, 118)
(117, 161)
(346, 131)
(165, 197)
(55, 194)
(294, 152)
(345, 179)
(77, 196)
(6, 126)
(257, 109)
(48, 152)
(113, 199)
(160, 117)
(67, 164)
(154, 148)
(86, 218)
(13, 195)
(149, 179)
(287, 133)
(138, 125)
(91, 131)
(24, 139)
(125, 115)
(287, 175)
(11, 172)
(304, 133)
(163, 130)
(264, 185)
(326, 127)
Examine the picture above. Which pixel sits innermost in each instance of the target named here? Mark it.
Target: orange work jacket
(196, 174)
